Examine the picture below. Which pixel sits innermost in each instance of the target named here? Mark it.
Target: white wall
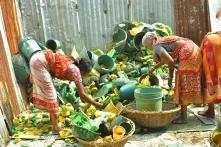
(214, 6)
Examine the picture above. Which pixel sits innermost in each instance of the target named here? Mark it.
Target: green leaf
(149, 52)
(111, 53)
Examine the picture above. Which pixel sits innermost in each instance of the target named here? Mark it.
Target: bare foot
(208, 113)
(179, 121)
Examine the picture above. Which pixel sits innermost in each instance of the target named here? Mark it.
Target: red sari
(211, 52)
(188, 76)
(43, 64)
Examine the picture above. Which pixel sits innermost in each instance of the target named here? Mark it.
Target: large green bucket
(120, 40)
(21, 68)
(28, 47)
(105, 64)
(148, 99)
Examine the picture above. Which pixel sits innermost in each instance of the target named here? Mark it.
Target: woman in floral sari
(211, 53)
(45, 63)
(174, 50)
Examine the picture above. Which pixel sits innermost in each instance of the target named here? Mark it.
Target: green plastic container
(21, 68)
(105, 64)
(53, 44)
(126, 92)
(120, 40)
(28, 47)
(148, 99)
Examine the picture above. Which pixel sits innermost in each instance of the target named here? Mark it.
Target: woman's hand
(94, 101)
(84, 96)
(84, 105)
(97, 103)
(155, 67)
(150, 72)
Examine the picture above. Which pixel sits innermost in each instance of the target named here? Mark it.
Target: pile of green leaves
(66, 91)
(82, 120)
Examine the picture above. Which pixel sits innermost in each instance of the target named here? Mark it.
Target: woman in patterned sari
(174, 50)
(211, 53)
(45, 63)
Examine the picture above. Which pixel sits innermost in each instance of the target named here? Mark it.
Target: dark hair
(84, 65)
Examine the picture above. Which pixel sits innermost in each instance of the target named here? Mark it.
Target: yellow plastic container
(114, 109)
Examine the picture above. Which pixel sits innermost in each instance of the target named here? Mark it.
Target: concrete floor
(185, 139)
(192, 134)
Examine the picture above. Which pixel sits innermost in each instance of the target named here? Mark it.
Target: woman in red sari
(211, 53)
(45, 63)
(174, 50)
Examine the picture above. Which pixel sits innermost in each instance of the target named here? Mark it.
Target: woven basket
(212, 143)
(152, 119)
(119, 143)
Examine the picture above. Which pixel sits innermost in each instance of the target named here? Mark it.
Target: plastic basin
(105, 64)
(120, 39)
(148, 99)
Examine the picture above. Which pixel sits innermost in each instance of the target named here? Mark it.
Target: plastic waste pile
(114, 77)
